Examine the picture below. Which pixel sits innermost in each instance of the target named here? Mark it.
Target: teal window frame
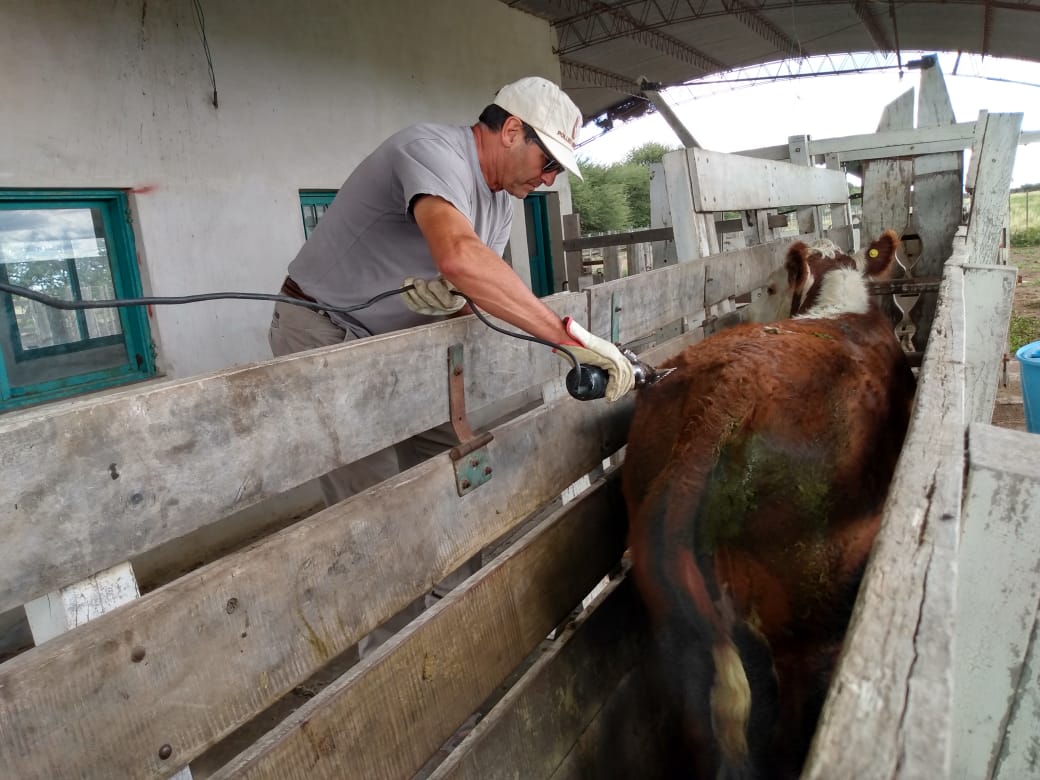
(126, 281)
(314, 203)
(539, 244)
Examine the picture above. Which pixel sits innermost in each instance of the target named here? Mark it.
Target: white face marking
(842, 292)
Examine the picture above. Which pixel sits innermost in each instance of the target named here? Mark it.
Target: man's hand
(600, 352)
(433, 298)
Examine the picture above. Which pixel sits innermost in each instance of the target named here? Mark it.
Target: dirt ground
(1024, 329)
(1026, 305)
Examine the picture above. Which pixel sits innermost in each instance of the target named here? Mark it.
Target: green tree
(649, 153)
(617, 196)
(599, 199)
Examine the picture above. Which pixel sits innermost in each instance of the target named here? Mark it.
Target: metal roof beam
(597, 77)
(987, 27)
(617, 23)
(764, 28)
(876, 33)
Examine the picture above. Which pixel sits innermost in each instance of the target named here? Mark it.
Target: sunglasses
(552, 165)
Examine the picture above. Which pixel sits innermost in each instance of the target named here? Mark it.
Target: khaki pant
(297, 328)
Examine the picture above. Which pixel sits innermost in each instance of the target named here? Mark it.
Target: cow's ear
(796, 264)
(881, 254)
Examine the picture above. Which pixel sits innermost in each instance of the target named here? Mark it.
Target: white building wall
(117, 94)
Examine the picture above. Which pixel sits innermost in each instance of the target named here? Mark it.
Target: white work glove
(599, 352)
(433, 297)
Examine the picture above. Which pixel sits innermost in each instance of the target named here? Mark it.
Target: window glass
(70, 252)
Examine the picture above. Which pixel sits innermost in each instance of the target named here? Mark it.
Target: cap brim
(561, 153)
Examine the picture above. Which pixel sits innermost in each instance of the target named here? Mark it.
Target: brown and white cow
(754, 477)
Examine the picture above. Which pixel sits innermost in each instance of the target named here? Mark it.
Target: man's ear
(512, 132)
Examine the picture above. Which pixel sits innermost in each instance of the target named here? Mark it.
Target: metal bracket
(615, 317)
(470, 457)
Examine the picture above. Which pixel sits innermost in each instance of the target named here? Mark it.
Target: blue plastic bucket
(1029, 360)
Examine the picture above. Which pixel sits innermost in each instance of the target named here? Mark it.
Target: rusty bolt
(457, 371)
(165, 752)
(137, 654)
(464, 484)
(232, 605)
(487, 470)
(474, 463)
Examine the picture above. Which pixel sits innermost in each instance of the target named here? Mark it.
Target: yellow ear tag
(873, 253)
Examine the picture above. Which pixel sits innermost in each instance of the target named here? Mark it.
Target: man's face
(528, 168)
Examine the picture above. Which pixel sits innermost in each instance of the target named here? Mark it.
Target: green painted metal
(538, 244)
(615, 317)
(314, 203)
(116, 228)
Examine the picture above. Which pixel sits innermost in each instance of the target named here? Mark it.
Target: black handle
(588, 384)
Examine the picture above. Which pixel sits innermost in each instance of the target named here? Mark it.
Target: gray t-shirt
(367, 241)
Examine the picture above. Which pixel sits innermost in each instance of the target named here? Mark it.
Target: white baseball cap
(552, 114)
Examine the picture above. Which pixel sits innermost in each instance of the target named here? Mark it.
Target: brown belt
(292, 290)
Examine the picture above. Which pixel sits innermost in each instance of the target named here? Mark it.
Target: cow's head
(820, 280)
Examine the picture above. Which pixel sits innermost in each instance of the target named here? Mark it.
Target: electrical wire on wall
(59, 303)
(200, 23)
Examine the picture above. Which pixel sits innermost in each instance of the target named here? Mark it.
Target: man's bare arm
(465, 261)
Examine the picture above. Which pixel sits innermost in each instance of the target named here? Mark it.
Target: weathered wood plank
(618, 239)
(685, 225)
(120, 474)
(888, 710)
(998, 590)
(988, 294)
(661, 216)
(1017, 755)
(226, 641)
(535, 725)
(743, 270)
(729, 182)
(989, 203)
(406, 699)
(572, 258)
(632, 736)
(898, 140)
(649, 301)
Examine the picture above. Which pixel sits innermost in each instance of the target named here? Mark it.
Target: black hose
(58, 303)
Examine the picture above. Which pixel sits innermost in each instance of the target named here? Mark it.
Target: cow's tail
(730, 708)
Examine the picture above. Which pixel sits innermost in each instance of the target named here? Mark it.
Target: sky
(733, 117)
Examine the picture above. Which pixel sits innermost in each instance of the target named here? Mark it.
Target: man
(431, 207)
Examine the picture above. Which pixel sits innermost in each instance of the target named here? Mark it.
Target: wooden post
(808, 217)
(989, 203)
(640, 258)
(685, 222)
(611, 264)
(556, 253)
(572, 259)
(660, 216)
(841, 222)
(886, 206)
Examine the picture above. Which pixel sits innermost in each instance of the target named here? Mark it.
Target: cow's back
(754, 477)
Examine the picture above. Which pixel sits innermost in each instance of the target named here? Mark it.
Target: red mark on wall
(144, 189)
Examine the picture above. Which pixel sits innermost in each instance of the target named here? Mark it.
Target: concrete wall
(117, 93)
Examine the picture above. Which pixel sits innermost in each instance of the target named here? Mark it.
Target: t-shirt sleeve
(429, 166)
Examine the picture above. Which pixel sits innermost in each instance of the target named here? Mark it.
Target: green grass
(1022, 331)
(1025, 218)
